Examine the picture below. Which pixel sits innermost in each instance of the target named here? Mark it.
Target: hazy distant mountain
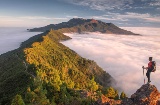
(79, 25)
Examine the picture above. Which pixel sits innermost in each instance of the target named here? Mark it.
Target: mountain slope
(79, 25)
(43, 71)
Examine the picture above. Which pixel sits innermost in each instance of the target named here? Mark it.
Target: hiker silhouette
(149, 69)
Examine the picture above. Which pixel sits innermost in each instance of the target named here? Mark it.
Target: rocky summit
(147, 94)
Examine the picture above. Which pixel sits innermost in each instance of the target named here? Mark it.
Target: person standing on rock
(149, 69)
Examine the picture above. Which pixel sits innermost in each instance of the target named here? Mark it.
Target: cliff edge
(147, 94)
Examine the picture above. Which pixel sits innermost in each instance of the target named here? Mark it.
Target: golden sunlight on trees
(111, 93)
(123, 95)
(52, 74)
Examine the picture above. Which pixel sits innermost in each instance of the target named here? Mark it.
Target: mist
(122, 56)
(11, 38)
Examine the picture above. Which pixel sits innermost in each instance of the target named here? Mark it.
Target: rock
(127, 101)
(106, 101)
(133, 96)
(146, 95)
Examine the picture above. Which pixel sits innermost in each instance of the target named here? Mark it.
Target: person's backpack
(153, 66)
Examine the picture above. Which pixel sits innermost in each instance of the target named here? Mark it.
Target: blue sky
(35, 13)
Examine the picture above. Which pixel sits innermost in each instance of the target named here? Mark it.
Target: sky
(122, 56)
(36, 13)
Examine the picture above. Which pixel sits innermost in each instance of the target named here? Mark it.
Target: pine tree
(112, 93)
(17, 100)
(93, 85)
(123, 95)
(117, 95)
(37, 95)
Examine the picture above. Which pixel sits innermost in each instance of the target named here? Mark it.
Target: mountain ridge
(42, 71)
(45, 72)
(80, 25)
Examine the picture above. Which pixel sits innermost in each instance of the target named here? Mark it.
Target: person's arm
(149, 66)
(145, 67)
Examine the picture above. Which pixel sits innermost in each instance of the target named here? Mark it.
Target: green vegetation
(17, 100)
(123, 95)
(111, 93)
(13, 77)
(45, 72)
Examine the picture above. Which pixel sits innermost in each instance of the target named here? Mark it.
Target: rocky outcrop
(106, 101)
(146, 95)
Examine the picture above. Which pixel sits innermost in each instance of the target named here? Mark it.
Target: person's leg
(149, 76)
(147, 73)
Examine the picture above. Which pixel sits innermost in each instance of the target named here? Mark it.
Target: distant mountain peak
(80, 25)
(94, 21)
(77, 19)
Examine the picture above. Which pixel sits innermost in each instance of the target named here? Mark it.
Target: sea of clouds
(122, 56)
(11, 38)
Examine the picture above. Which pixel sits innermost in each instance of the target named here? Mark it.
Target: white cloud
(11, 38)
(155, 3)
(28, 21)
(115, 4)
(135, 15)
(104, 4)
(146, 17)
(128, 17)
(68, 16)
(131, 15)
(120, 55)
(41, 18)
(110, 18)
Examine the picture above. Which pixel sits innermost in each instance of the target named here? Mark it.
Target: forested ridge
(45, 72)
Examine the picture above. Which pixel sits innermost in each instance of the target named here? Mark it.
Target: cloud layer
(28, 21)
(104, 4)
(11, 38)
(122, 56)
(116, 4)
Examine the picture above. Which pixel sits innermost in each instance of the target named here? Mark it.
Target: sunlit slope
(49, 56)
(42, 67)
